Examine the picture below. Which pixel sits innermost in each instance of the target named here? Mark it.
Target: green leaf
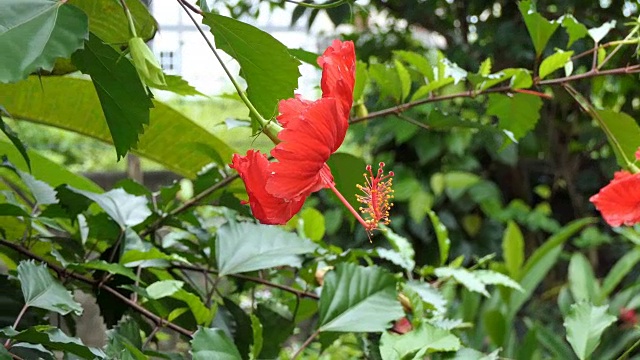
(388, 81)
(541, 261)
(125, 209)
(53, 339)
(622, 132)
(171, 139)
(163, 288)
(494, 325)
(270, 71)
(540, 29)
(145, 62)
(402, 247)
(43, 193)
(108, 21)
(517, 114)
(597, 34)
(485, 67)
(490, 277)
(418, 61)
(124, 99)
(41, 290)
(619, 270)
(425, 90)
(585, 325)
(124, 341)
(256, 347)
(202, 313)
(178, 85)
(554, 62)
(13, 137)
(111, 268)
(243, 247)
(429, 294)
(464, 277)
(405, 79)
(362, 78)
(7, 209)
(582, 281)
(358, 299)
(574, 29)
(4, 354)
(513, 249)
(442, 235)
(416, 343)
(53, 29)
(210, 343)
(313, 222)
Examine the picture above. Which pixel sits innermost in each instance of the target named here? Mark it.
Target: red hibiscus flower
(619, 201)
(313, 130)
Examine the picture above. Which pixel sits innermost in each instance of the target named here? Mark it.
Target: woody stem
(346, 203)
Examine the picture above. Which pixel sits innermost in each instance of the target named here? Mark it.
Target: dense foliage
(499, 120)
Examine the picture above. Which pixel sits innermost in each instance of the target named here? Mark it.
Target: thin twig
(503, 89)
(252, 279)
(188, 204)
(190, 7)
(305, 344)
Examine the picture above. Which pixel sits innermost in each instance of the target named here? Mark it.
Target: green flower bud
(146, 64)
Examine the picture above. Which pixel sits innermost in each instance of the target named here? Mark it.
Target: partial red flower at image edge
(619, 201)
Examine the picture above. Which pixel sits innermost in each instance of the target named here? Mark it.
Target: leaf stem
(618, 46)
(7, 343)
(628, 352)
(305, 344)
(270, 128)
(127, 13)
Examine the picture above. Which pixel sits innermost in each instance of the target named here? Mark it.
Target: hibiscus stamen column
(377, 199)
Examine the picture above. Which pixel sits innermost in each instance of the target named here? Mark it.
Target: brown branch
(190, 7)
(289, 289)
(64, 273)
(188, 204)
(503, 89)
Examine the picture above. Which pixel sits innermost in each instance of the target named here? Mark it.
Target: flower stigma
(377, 198)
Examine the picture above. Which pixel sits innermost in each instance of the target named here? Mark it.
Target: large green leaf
(123, 208)
(575, 30)
(622, 132)
(124, 99)
(416, 343)
(108, 21)
(358, 299)
(270, 71)
(540, 29)
(54, 339)
(208, 343)
(585, 325)
(242, 247)
(347, 172)
(35, 33)
(41, 290)
(171, 139)
(517, 114)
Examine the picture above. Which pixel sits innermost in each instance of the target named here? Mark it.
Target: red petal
(338, 73)
(306, 146)
(254, 169)
(290, 109)
(619, 201)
